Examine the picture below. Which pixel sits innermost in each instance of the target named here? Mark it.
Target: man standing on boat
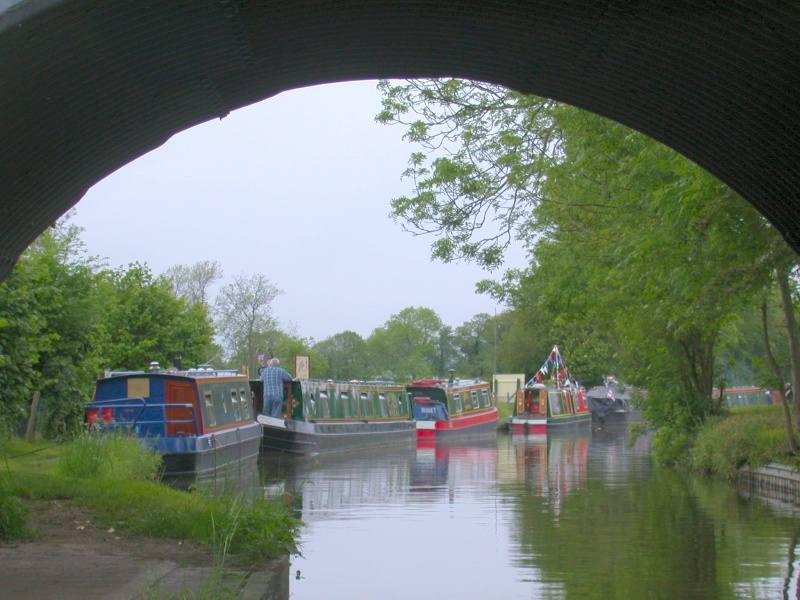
(273, 377)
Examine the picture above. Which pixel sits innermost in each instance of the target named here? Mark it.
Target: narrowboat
(320, 417)
(201, 420)
(545, 404)
(452, 409)
(611, 402)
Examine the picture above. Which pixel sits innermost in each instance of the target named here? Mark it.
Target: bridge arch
(88, 86)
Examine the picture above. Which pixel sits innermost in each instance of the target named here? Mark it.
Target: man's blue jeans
(272, 407)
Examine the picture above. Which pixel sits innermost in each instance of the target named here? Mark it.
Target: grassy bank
(752, 436)
(116, 478)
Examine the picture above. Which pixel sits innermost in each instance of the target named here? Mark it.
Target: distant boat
(550, 400)
(200, 420)
(611, 402)
(452, 409)
(319, 417)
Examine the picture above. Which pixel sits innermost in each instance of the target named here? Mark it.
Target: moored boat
(200, 420)
(546, 404)
(320, 417)
(611, 402)
(452, 409)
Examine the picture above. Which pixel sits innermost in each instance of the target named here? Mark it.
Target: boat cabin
(443, 399)
(172, 403)
(322, 400)
(540, 400)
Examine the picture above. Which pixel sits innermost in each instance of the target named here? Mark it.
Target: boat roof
(448, 384)
(194, 373)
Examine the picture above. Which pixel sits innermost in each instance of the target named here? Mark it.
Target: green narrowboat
(320, 417)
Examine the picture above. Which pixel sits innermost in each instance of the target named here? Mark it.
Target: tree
(487, 150)
(192, 283)
(407, 345)
(476, 341)
(49, 317)
(346, 356)
(243, 312)
(613, 220)
(144, 322)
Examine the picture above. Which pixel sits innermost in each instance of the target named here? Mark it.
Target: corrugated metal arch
(90, 85)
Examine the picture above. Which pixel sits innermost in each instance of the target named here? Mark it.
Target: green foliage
(345, 355)
(14, 514)
(108, 455)
(49, 317)
(745, 437)
(120, 488)
(254, 527)
(407, 346)
(144, 321)
(641, 263)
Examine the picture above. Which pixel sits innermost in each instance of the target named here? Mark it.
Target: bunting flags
(554, 363)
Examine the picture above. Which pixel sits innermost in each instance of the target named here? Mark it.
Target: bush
(725, 444)
(109, 454)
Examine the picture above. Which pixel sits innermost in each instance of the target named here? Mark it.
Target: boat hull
(459, 428)
(310, 438)
(217, 455)
(535, 426)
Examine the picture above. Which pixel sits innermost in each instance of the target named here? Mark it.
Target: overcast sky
(296, 188)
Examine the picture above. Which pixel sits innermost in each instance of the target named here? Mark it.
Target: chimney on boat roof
(154, 367)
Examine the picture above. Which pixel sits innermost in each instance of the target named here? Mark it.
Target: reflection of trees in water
(656, 534)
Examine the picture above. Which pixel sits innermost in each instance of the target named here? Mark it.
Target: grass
(505, 409)
(115, 477)
(752, 436)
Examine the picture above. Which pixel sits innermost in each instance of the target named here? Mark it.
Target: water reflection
(577, 515)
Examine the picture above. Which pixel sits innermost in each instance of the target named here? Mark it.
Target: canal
(579, 515)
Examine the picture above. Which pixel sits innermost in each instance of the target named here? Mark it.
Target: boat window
(244, 400)
(210, 416)
(474, 399)
(486, 399)
(557, 406)
(366, 408)
(457, 406)
(383, 405)
(235, 403)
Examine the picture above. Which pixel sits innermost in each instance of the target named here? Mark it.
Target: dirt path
(72, 557)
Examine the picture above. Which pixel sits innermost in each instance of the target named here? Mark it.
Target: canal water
(579, 515)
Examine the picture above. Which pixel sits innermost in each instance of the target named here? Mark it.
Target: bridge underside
(89, 85)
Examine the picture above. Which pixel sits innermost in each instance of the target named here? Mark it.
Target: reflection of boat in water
(560, 403)
(333, 416)
(554, 464)
(454, 409)
(611, 402)
(438, 466)
(200, 420)
(345, 482)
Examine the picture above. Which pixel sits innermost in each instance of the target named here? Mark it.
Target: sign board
(302, 366)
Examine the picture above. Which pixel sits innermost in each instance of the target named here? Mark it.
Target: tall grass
(14, 514)
(753, 436)
(109, 455)
(117, 478)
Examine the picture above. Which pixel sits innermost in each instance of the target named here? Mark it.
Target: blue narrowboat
(200, 421)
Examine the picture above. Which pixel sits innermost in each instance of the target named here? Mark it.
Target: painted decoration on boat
(551, 398)
(329, 416)
(448, 409)
(201, 420)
